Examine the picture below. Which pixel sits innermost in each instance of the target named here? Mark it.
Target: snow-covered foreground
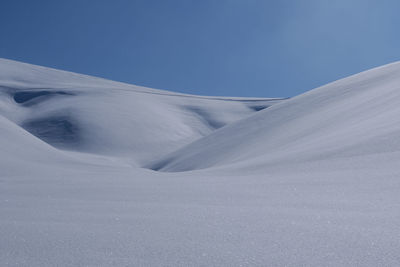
(309, 181)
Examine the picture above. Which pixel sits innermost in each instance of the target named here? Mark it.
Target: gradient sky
(264, 48)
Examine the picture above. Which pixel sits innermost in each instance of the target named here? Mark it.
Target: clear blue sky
(209, 47)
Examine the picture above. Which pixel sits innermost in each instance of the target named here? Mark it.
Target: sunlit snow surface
(309, 181)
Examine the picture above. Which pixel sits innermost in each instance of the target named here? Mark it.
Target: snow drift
(92, 115)
(355, 116)
(312, 180)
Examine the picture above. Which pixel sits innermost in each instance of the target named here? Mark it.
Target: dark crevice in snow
(59, 131)
(207, 118)
(258, 108)
(26, 97)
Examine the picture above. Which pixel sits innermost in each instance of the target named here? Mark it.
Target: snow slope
(356, 116)
(93, 115)
(309, 181)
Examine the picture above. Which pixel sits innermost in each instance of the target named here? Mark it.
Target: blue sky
(209, 47)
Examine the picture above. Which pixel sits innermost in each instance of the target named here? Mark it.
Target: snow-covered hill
(308, 181)
(86, 114)
(353, 117)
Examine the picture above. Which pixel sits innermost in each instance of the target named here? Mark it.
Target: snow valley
(100, 173)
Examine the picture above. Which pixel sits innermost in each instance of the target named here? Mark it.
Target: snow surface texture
(308, 181)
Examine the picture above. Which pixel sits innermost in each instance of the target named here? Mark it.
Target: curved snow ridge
(20, 150)
(17, 75)
(354, 116)
(91, 115)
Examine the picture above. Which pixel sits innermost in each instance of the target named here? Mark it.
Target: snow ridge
(307, 181)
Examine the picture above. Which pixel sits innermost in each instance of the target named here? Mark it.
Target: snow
(355, 116)
(82, 113)
(311, 180)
